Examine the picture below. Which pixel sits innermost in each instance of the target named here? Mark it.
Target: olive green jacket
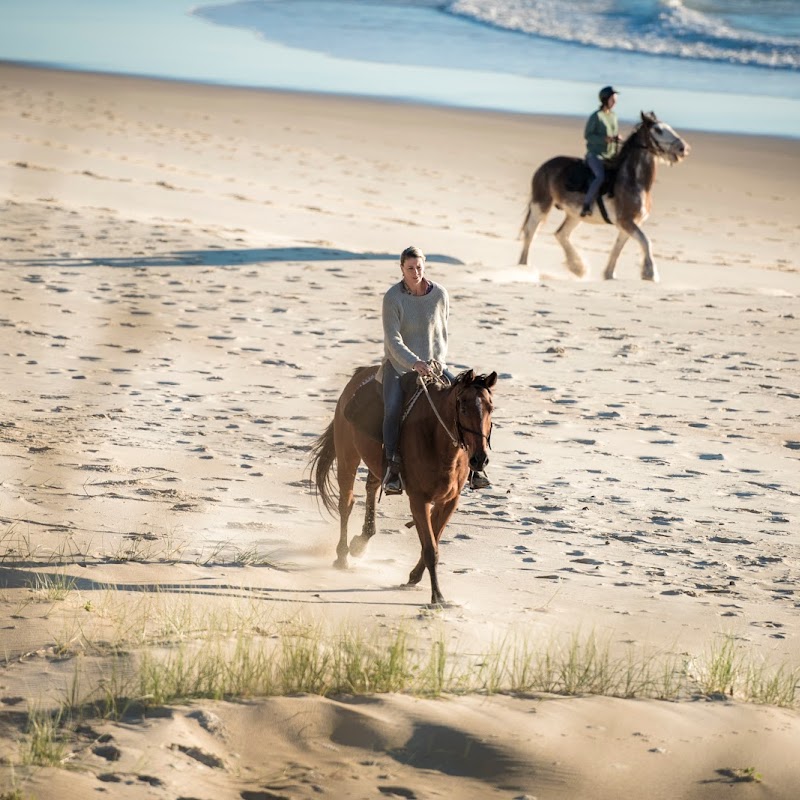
(600, 125)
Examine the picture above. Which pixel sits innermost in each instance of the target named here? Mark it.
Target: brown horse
(556, 183)
(444, 435)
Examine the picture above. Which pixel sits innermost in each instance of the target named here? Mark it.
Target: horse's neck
(638, 168)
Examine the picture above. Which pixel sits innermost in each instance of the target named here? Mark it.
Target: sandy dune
(190, 275)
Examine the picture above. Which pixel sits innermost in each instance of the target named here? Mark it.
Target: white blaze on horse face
(673, 147)
(483, 411)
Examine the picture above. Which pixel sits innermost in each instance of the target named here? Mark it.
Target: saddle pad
(364, 410)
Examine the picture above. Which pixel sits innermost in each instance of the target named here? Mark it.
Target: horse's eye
(658, 129)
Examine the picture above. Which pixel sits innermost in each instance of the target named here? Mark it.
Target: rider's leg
(392, 410)
(595, 164)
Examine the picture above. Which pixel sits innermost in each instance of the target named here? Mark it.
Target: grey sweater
(414, 328)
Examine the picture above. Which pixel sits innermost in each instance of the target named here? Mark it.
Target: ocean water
(725, 65)
(759, 32)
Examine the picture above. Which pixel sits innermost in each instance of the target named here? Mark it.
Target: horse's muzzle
(478, 461)
(680, 151)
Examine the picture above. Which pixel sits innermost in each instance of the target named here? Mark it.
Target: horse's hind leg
(619, 243)
(359, 543)
(533, 220)
(347, 461)
(576, 264)
(415, 576)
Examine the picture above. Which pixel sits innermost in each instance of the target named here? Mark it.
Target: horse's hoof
(358, 545)
(441, 605)
(340, 563)
(409, 586)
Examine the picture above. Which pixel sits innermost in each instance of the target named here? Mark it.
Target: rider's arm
(595, 134)
(392, 338)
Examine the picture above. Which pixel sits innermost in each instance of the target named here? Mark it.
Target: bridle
(458, 440)
(650, 144)
(461, 430)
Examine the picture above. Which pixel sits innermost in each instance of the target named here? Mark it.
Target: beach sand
(191, 275)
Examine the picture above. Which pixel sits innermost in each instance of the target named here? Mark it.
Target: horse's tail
(323, 458)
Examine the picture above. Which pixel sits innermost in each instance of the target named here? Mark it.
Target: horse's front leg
(421, 511)
(619, 243)
(441, 516)
(359, 543)
(649, 271)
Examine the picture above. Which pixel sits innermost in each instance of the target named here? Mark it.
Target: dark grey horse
(631, 176)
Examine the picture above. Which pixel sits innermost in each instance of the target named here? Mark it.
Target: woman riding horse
(415, 313)
(602, 137)
(558, 184)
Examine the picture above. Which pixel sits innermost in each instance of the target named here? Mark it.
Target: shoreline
(384, 100)
(547, 89)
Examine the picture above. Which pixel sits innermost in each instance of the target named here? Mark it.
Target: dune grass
(157, 650)
(159, 647)
(241, 651)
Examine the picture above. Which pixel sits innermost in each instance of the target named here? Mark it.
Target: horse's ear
(467, 376)
(491, 380)
(649, 117)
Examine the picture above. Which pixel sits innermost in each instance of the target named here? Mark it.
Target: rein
(438, 380)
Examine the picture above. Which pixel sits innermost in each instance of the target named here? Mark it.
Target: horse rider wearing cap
(602, 137)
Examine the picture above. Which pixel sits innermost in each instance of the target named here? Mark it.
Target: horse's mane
(627, 147)
(648, 119)
(358, 370)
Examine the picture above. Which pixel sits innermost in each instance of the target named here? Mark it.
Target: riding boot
(392, 482)
(586, 211)
(478, 480)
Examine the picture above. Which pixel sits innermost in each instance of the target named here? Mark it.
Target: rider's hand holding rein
(422, 368)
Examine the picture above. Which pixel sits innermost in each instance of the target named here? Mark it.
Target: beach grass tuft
(45, 741)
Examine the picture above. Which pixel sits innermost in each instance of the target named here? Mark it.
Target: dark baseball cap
(606, 92)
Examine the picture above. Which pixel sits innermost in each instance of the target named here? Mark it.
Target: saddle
(364, 410)
(578, 176)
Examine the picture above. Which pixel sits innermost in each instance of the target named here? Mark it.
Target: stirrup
(392, 482)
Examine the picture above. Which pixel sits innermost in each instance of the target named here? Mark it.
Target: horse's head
(474, 415)
(661, 140)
